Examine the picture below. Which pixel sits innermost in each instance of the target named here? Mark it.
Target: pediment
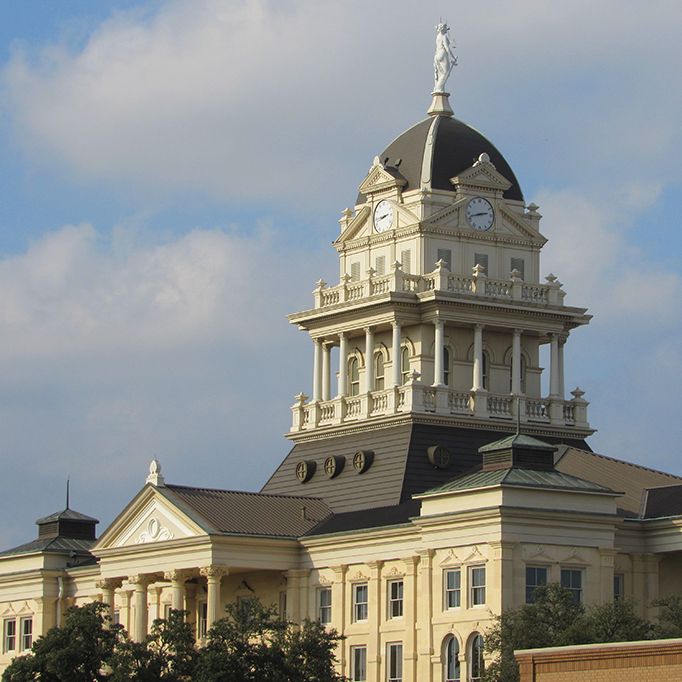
(149, 518)
(379, 179)
(537, 553)
(361, 226)
(475, 556)
(482, 174)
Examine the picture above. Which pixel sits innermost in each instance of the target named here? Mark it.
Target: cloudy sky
(171, 175)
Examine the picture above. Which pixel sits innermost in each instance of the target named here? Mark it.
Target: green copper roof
(52, 546)
(516, 440)
(554, 480)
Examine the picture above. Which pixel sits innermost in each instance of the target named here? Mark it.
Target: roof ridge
(252, 493)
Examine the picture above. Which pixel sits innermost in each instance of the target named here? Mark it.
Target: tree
(616, 621)
(76, 652)
(669, 617)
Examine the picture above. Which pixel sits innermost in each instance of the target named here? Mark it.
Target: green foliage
(555, 620)
(75, 652)
(251, 644)
(669, 617)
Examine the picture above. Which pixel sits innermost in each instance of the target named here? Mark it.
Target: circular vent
(439, 456)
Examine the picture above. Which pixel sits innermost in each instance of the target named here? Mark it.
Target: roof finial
(67, 492)
(443, 61)
(155, 477)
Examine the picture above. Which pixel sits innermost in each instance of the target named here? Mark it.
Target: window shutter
(405, 258)
(482, 260)
(380, 265)
(518, 264)
(445, 255)
(355, 272)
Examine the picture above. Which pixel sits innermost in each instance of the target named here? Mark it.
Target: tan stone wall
(659, 661)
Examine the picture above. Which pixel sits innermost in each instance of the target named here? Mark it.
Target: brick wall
(656, 661)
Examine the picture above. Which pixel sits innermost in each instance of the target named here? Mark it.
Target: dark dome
(454, 147)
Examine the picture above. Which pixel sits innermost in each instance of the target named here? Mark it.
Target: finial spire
(67, 493)
(443, 61)
(155, 477)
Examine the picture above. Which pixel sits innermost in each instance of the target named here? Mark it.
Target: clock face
(383, 216)
(480, 214)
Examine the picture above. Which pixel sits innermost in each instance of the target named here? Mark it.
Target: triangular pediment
(151, 517)
(362, 225)
(379, 179)
(482, 174)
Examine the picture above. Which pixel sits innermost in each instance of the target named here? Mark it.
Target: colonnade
(322, 361)
(142, 592)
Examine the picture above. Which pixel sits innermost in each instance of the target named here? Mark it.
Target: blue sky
(171, 175)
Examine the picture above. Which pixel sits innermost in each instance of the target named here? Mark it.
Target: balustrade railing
(479, 285)
(417, 397)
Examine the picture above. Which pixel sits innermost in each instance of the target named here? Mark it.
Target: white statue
(444, 59)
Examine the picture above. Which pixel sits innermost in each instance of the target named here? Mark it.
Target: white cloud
(243, 99)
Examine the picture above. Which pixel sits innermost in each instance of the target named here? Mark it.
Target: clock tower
(428, 347)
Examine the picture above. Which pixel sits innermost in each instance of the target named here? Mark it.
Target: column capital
(177, 575)
(479, 326)
(369, 329)
(376, 565)
(517, 331)
(343, 335)
(340, 571)
(411, 563)
(108, 583)
(395, 323)
(214, 571)
(140, 579)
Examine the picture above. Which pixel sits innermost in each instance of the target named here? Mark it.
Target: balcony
(416, 397)
(478, 285)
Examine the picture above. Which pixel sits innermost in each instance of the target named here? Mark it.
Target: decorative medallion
(333, 465)
(155, 533)
(440, 457)
(305, 470)
(362, 460)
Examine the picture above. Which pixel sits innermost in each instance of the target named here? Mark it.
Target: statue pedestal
(440, 105)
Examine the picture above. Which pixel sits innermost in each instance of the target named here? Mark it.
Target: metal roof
(56, 545)
(662, 501)
(554, 480)
(244, 513)
(66, 515)
(519, 440)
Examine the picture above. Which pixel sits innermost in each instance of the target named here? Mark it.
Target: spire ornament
(443, 62)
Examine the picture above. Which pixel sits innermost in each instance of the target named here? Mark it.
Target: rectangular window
(572, 580)
(203, 620)
(618, 586)
(166, 611)
(453, 588)
(446, 256)
(535, 576)
(10, 635)
(380, 265)
(476, 585)
(395, 599)
(358, 663)
(282, 605)
(324, 598)
(26, 633)
(117, 617)
(360, 606)
(394, 662)
(482, 260)
(520, 265)
(355, 272)
(406, 261)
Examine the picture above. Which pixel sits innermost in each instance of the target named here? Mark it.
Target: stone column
(108, 587)
(376, 608)
(326, 368)
(154, 592)
(369, 359)
(516, 363)
(425, 615)
(125, 610)
(339, 610)
(296, 582)
(410, 594)
(317, 370)
(214, 576)
(438, 353)
(477, 383)
(607, 560)
(554, 366)
(343, 364)
(139, 629)
(177, 579)
(395, 352)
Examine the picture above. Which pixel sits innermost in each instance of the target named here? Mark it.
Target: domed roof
(438, 148)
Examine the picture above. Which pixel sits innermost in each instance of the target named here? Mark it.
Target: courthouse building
(431, 483)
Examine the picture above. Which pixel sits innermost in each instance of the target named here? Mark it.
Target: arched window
(476, 663)
(486, 370)
(405, 364)
(446, 365)
(353, 376)
(379, 372)
(451, 660)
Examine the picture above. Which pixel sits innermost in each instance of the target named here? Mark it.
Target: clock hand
(381, 217)
(473, 215)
